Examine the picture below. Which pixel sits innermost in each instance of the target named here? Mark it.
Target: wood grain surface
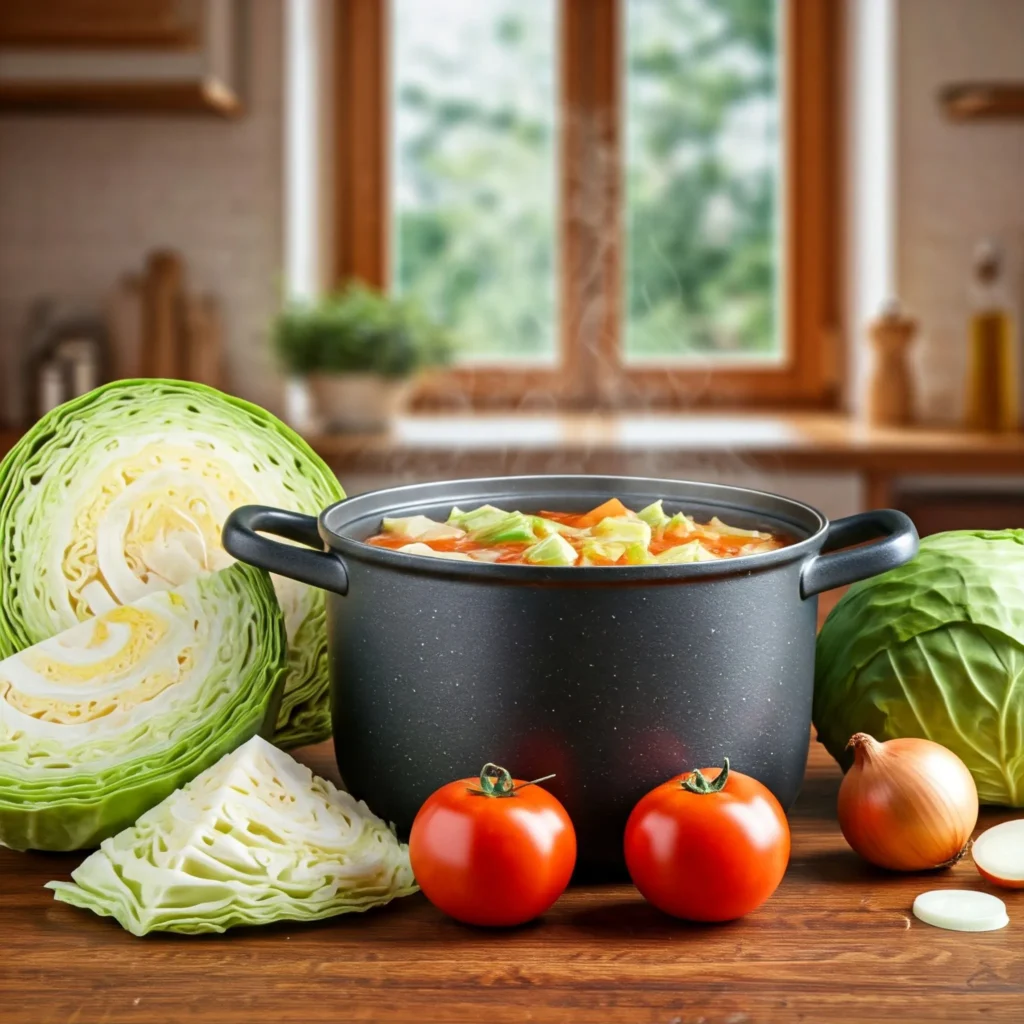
(837, 942)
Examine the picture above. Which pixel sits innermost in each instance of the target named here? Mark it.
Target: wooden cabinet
(110, 24)
(171, 56)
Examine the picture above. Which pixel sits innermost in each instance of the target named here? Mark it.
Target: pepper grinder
(891, 395)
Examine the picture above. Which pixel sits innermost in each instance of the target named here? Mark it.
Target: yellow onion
(908, 804)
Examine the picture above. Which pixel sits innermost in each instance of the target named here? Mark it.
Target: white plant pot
(358, 401)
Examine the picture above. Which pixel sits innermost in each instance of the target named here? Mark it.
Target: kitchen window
(610, 203)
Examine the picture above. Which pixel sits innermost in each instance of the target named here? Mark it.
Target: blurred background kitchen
(778, 242)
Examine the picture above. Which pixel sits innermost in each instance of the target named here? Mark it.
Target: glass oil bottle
(992, 382)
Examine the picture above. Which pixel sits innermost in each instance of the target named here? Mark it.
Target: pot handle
(897, 546)
(318, 568)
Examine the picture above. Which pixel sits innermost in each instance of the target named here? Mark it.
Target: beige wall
(83, 198)
(955, 183)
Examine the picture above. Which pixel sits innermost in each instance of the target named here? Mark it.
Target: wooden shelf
(120, 56)
(209, 96)
(978, 101)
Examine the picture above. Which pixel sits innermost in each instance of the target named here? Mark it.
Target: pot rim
(406, 498)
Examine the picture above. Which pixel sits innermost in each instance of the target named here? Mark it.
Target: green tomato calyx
(497, 781)
(696, 782)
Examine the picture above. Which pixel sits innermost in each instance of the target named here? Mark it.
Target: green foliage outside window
(475, 194)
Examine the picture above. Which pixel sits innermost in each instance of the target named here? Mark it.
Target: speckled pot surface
(614, 678)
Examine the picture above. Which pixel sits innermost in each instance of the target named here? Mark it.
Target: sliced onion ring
(999, 854)
(961, 910)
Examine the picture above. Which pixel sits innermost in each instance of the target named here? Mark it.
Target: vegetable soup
(610, 534)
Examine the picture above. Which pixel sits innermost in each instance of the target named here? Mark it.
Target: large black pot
(613, 678)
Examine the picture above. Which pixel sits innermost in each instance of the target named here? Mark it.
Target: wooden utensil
(203, 340)
(125, 317)
(162, 350)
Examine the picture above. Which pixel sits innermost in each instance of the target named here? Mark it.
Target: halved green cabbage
(255, 839)
(124, 492)
(102, 721)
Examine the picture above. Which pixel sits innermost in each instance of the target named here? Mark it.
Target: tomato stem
(497, 781)
(696, 782)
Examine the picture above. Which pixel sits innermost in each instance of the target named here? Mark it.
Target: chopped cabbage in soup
(610, 534)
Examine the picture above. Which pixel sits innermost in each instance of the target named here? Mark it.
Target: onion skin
(908, 804)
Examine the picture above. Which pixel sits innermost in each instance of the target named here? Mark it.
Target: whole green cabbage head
(124, 492)
(934, 649)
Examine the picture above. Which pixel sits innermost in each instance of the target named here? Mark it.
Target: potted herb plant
(359, 351)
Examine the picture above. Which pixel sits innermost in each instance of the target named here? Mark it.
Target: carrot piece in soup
(612, 507)
(565, 518)
(384, 540)
(511, 552)
(444, 543)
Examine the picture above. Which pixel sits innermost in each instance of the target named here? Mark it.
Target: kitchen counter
(716, 446)
(836, 942)
(792, 441)
(424, 447)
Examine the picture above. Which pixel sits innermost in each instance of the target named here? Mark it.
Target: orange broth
(729, 546)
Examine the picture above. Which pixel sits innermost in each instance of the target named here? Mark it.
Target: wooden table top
(836, 942)
(506, 443)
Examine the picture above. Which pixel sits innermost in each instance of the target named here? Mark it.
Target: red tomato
(492, 850)
(711, 845)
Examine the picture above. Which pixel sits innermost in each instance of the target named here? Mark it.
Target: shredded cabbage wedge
(256, 838)
(104, 720)
(124, 491)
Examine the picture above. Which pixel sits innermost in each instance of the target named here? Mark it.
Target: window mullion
(363, 125)
(591, 187)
